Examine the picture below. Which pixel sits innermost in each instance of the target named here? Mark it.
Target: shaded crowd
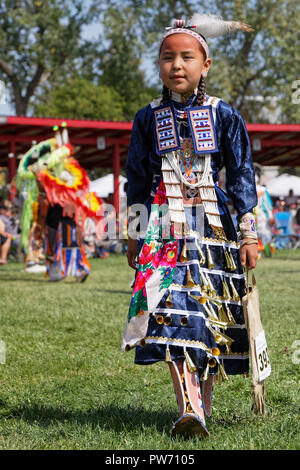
(290, 205)
(9, 230)
(10, 235)
(278, 221)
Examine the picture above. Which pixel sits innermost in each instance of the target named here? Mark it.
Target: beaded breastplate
(186, 166)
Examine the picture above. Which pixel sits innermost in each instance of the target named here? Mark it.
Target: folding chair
(284, 236)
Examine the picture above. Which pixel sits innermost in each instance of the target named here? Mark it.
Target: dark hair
(165, 95)
(200, 94)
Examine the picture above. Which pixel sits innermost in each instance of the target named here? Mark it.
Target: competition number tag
(262, 357)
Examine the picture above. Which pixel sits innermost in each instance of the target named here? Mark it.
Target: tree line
(52, 69)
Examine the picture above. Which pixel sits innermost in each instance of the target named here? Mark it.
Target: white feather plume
(212, 26)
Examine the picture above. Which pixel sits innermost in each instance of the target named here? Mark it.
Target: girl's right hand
(132, 252)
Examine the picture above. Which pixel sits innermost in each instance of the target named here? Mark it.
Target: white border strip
(210, 271)
(170, 342)
(193, 313)
(202, 241)
(241, 357)
(194, 289)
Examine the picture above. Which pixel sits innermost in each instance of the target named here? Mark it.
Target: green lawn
(67, 385)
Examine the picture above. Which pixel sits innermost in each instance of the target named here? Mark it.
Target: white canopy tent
(105, 185)
(281, 185)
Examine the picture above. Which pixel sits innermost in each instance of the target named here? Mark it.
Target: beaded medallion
(166, 133)
(202, 129)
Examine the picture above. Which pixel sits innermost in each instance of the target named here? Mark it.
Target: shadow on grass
(110, 291)
(21, 279)
(116, 418)
(41, 280)
(108, 417)
(285, 271)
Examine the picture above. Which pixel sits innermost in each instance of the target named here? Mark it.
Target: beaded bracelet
(247, 226)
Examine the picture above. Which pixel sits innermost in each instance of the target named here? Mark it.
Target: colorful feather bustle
(93, 205)
(50, 166)
(65, 186)
(27, 213)
(71, 191)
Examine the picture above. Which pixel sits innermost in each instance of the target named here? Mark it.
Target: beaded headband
(186, 30)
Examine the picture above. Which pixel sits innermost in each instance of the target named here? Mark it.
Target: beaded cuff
(247, 226)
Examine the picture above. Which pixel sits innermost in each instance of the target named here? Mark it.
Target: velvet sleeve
(240, 175)
(138, 169)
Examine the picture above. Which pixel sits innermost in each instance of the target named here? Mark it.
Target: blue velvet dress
(188, 325)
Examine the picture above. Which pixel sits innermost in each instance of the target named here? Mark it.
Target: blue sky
(6, 110)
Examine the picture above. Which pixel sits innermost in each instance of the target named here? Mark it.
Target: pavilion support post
(116, 171)
(12, 161)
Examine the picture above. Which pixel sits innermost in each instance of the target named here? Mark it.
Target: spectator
(279, 206)
(290, 200)
(6, 233)
(297, 217)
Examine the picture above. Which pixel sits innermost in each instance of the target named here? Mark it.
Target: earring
(204, 74)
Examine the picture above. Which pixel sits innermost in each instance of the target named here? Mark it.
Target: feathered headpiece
(212, 26)
(203, 26)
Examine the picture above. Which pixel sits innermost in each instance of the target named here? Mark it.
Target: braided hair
(201, 92)
(165, 98)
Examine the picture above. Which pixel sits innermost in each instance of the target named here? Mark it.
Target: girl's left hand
(249, 255)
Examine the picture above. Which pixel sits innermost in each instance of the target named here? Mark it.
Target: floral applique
(158, 253)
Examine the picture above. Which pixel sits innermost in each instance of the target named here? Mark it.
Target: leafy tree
(120, 60)
(248, 68)
(261, 64)
(112, 61)
(39, 39)
(154, 15)
(130, 28)
(81, 99)
(40, 43)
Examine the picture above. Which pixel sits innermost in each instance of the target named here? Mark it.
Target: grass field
(67, 385)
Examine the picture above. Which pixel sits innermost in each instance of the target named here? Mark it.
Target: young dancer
(57, 203)
(186, 304)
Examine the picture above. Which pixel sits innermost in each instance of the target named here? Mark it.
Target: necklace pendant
(189, 176)
(191, 192)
